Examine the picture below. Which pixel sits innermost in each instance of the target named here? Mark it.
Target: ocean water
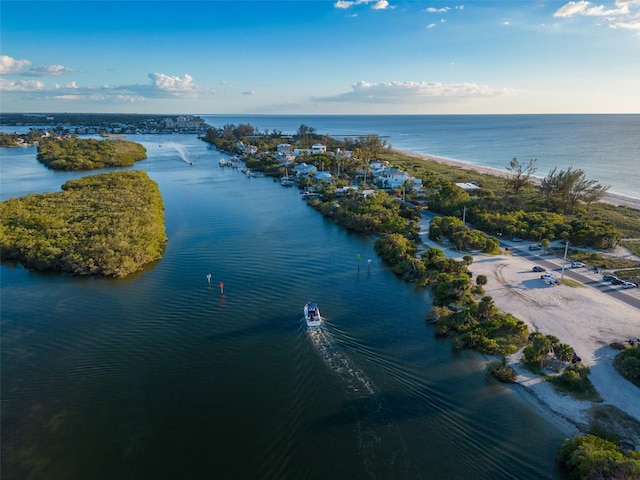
(606, 147)
(159, 376)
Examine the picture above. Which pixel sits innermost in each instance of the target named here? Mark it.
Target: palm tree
(563, 352)
(486, 308)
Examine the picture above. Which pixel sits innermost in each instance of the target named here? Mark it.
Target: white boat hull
(312, 315)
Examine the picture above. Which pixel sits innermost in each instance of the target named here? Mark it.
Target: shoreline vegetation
(109, 224)
(72, 153)
(563, 207)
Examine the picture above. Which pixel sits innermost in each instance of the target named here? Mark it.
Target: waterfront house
(303, 170)
(315, 149)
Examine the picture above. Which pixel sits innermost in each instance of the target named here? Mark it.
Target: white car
(577, 264)
(550, 279)
(629, 285)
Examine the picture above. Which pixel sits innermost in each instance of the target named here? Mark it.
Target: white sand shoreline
(612, 198)
(584, 317)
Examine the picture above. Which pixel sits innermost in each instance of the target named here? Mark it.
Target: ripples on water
(161, 376)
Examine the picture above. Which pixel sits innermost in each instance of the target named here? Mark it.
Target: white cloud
(250, 92)
(175, 86)
(20, 85)
(71, 85)
(377, 4)
(437, 10)
(342, 4)
(50, 71)
(161, 86)
(622, 16)
(9, 65)
(431, 25)
(586, 8)
(399, 92)
(381, 5)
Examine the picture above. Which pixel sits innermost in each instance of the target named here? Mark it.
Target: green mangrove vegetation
(627, 362)
(565, 205)
(591, 457)
(9, 140)
(72, 153)
(106, 225)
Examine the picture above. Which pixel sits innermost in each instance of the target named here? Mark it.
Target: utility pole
(564, 260)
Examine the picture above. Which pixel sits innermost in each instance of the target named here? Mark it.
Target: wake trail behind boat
(380, 443)
(354, 378)
(181, 151)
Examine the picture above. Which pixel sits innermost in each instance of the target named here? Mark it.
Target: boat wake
(181, 151)
(354, 378)
(380, 443)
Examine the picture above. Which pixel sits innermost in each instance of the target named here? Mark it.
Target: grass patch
(571, 283)
(609, 422)
(632, 245)
(575, 381)
(625, 219)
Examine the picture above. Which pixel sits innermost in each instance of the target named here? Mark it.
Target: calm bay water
(606, 147)
(158, 376)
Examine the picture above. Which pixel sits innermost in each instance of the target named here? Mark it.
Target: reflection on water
(159, 376)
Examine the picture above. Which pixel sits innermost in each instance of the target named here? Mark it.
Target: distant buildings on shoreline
(113, 124)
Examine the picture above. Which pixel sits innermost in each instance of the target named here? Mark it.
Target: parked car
(535, 246)
(577, 265)
(608, 277)
(538, 268)
(516, 239)
(617, 281)
(550, 279)
(629, 285)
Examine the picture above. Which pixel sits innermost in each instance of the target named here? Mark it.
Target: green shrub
(591, 457)
(627, 362)
(502, 372)
(109, 225)
(575, 380)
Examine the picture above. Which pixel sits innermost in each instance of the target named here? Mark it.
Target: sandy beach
(585, 318)
(612, 198)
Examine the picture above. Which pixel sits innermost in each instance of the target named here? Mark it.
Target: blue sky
(321, 57)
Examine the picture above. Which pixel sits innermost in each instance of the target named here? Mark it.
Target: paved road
(582, 275)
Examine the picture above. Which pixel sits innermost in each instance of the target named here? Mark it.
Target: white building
(315, 149)
(468, 187)
(393, 177)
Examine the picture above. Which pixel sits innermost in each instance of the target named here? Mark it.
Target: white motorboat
(312, 314)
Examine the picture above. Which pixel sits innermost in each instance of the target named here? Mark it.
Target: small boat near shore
(312, 314)
(287, 182)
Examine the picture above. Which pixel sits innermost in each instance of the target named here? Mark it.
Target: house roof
(468, 186)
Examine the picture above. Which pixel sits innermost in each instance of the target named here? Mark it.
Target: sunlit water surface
(159, 376)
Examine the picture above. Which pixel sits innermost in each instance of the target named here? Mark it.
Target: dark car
(538, 268)
(609, 278)
(617, 281)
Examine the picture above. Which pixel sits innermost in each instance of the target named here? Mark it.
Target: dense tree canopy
(592, 457)
(109, 224)
(88, 154)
